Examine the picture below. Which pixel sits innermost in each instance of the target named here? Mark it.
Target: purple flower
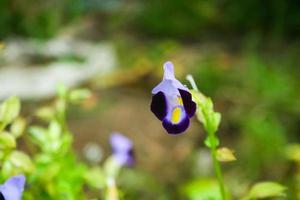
(172, 102)
(122, 148)
(13, 188)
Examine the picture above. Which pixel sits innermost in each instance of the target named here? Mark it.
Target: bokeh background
(243, 54)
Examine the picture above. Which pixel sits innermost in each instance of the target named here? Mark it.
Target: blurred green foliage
(192, 18)
(38, 19)
(53, 171)
(169, 18)
(12, 127)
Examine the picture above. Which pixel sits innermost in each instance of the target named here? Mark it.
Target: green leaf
(54, 130)
(9, 110)
(18, 127)
(216, 119)
(95, 177)
(266, 190)
(202, 189)
(225, 155)
(60, 106)
(205, 112)
(45, 113)
(7, 141)
(61, 90)
(65, 143)
(38, 135)
(17, 162)
(21, 160)
(77, 96)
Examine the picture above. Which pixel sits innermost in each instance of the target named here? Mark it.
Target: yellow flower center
(176, 115)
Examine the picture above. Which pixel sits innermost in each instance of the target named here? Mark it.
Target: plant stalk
(218, 172)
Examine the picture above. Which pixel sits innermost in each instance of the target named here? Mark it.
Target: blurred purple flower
(172, 102)
(13, 188)
(122, 148)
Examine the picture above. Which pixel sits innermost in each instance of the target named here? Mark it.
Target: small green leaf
(202, 189)
(205, 112)
(9, 110)
(54, 130)
(95, 177)
(65, 143)
(18, 127)
(21, 160)
(45, 113)
(225, 155)
(17, 162)
(7, 141)
(38, 135)
(61, 90)
(216, 119)
(60, 106)
(266, 190)
(77, 96)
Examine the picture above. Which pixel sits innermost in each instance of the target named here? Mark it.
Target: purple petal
(169, 85)
(159, 105)
(13, 188)
(120, 143)
(169, 88)
(122, 148)
(125, 158)
(188, 103)
(169, 70)
(176, 128)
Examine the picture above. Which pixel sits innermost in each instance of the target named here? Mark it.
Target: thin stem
(211, 134)
(218, 172)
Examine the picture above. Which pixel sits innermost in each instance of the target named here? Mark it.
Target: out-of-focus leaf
(225, 155)
(18, 127)
(77, 96)
(38, 134)
(293, 152)
(61, 91)
(95, 177)
(66, 142)
(21, 160)
(17, 162)
(265, 190)
(54, 130)
(202, 189)
(10, 109)
(60, 106)
(7, 141)
(45, 113)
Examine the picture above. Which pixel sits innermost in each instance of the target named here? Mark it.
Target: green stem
(209, 128)
(218, 172)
